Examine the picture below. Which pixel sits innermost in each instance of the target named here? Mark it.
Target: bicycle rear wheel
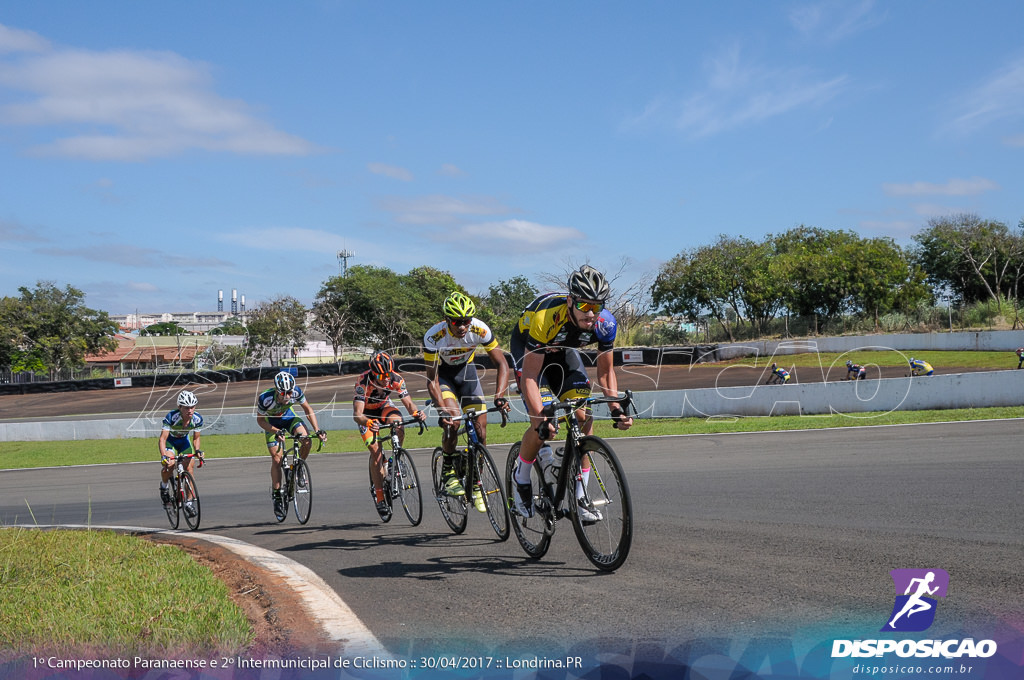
(453, 508)
(302, 491)
(408, 483)
(172, 508)
(494, 496)
(605, 542)
(190, 495)
(532, 532)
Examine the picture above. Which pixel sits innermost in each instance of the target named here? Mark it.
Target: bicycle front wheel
(600, 506)
(190, 497)
(453, 508)
(533, 533)
(489, 482)
(408, 486)
(302, 491)
(173, 508)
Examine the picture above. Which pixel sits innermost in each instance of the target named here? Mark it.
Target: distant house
(147, 354)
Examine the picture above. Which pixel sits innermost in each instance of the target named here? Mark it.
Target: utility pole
(343, 256)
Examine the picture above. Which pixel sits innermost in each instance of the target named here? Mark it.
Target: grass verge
(70, 591)
(47, 454)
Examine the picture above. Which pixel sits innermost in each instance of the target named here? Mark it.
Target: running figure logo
(914, 610)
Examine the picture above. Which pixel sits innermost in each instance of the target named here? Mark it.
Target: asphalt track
(737, 537)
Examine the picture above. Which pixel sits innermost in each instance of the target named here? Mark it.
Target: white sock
(522, 473)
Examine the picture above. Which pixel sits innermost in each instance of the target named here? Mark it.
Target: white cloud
(451, 170)
(135, 105)
(834, 20)
(133, 256)
(392, 171)
(439, 209)
(1017, 140)
(954, 187)
(17, 40)
(13, 231)
(508, 237)
(1000, 97)
(739, 93)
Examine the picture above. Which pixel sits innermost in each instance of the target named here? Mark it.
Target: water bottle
(546, 458)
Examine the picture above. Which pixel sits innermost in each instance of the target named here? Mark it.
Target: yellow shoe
(478, 499)
(452, 486)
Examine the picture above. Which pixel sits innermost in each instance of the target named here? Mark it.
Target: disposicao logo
(914, 609)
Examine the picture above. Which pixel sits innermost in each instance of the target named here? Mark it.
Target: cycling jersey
(857, 370)
(545, 324)
(782, 373)
(177, 428)
(268, 405)
(918, 366)
(375, 397)
(440, 342)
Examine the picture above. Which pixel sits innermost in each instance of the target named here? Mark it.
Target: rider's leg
(376, 462)
(306, 443)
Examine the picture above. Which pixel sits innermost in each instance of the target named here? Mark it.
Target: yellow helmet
(459, 306)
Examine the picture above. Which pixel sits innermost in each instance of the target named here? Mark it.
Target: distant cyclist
(545, 348)
(1020, 357)
(372, 406)
(779, 375)
(178, 426)
(276, 417)
(920, 367)
(448, 350)
(855, 371)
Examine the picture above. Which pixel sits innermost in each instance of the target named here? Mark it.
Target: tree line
(822, 275)
(743, 285)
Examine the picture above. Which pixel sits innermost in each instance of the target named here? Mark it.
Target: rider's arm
(265, 425)
(162, 442)
(533, 362)
(311, 414)
(610, 386)
(410, 406)
(195, 441)
(358, 415)
(501, 366)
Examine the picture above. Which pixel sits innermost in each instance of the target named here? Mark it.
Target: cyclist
(920, 367)
(1020, 357)
(780, 373)
(275, 416)
(174, 439)
(855, 371)
(372, 406)
(448, 350)
(545, 352)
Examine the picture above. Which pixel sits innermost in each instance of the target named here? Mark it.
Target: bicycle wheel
(408, 483)
(606, 542)
(494, 496)
(302, 491)
(453, 508)
(190, 495)
(172, 508)
(533, 533)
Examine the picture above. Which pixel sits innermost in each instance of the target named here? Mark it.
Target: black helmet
(587, 283)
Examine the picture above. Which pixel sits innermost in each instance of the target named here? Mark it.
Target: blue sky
(154, 153)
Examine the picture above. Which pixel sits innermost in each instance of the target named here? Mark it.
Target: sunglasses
(595, 307)
(379, 379)
(286, 393)
(460, 322)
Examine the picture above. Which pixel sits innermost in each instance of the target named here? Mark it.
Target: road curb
(339, 623)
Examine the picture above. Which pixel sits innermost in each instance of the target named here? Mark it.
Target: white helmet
(186, 398)
(284, 382)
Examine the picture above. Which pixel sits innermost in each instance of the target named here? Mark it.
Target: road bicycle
(586, 471)
(775, 379)
(296, 480)
(478, 475)
(184, 493)
(400, 478)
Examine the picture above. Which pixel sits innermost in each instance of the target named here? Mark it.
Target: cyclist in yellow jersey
(448, 350)
(549, 366)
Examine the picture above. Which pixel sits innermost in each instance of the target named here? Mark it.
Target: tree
(230, 326)
(696, 282)
(50, 329)
(170, 328)
(276, 326)
(504, 304)
(975, 258)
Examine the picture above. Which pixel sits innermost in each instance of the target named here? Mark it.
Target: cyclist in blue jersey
(548, 366)
(1020, 357)
(779, 375)
(178, 426)
(275, 416)
(855, 371)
